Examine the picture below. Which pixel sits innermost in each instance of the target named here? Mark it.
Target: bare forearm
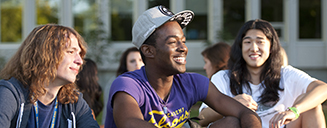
(315, 95)
(208, 115)
(127, 113)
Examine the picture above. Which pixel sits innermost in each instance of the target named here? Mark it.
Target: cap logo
(165, 11)
(185, 18)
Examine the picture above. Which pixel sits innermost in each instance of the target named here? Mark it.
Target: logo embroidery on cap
(165, 11)
(184, 17)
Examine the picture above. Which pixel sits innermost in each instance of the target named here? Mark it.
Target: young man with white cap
(161, 94)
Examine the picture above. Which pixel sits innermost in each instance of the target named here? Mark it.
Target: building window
(11, 21)
(198, 28)
(234, 17)
(121, 20)
(85, 17)
(47, 11)
(272, 11)
(310, 19)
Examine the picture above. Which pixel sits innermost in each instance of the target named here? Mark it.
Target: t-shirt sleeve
(127, 85)
(201, 86)
(221, 81)
(296, 80)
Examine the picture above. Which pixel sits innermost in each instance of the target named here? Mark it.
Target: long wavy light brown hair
(36, 61)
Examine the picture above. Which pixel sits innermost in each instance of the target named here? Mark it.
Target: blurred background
(106, 26)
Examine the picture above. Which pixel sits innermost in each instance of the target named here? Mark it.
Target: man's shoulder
(190, 76)
(193, 74)
(290, 71)
(133, 75)
(129, 80)
(12, 82)
(14, 85)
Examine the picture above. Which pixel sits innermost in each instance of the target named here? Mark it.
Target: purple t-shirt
(187, 89)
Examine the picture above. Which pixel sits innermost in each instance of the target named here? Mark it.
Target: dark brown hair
(123, 61)
(87, 83)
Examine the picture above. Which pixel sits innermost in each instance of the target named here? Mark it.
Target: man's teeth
(179, 59)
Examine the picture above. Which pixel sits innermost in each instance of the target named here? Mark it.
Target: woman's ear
(148, 50)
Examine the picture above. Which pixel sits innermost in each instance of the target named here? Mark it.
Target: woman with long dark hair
(280, 95)
(130, 60)
(88, 84)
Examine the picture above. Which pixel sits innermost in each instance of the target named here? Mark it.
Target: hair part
(270, 75)
(36, 61)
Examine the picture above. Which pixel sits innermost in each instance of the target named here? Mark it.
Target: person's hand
(281, 119)
(247, 101)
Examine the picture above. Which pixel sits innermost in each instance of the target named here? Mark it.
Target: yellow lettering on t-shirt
(165, 122)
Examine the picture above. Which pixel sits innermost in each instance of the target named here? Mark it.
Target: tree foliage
(11, 22)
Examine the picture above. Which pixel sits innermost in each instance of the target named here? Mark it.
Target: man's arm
(208, 115)
(127, 113)
(227, 106)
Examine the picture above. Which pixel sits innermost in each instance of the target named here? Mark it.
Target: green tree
(88, 24)
(11, 22)
(46, 13)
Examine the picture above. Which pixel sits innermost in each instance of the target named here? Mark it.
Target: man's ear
(148, 50)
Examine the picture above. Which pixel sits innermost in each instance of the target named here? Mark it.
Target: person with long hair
(280, 95)
(215, 58)
(87, 83)
(38, 88)
(130, 60)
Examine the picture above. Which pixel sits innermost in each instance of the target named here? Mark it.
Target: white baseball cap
(153, 18)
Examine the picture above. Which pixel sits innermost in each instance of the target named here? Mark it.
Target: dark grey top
(15, 108)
